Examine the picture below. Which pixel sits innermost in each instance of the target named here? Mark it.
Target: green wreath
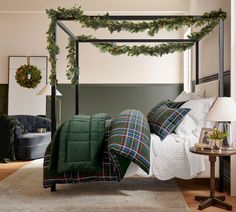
(28, 76)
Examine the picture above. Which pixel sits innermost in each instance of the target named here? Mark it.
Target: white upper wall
(209, 48)
(25, 23)
(96, 5)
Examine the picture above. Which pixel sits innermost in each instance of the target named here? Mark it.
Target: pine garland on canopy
(207, 22)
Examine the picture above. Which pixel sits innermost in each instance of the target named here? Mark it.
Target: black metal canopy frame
(137, 18)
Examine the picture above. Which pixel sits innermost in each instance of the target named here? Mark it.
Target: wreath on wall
(28, 76)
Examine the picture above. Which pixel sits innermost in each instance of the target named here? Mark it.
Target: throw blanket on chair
(7, 128)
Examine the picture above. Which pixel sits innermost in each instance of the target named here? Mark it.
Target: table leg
(208, 202)
(212, 160)
(222, 204)
(203, 198)
(212, 199)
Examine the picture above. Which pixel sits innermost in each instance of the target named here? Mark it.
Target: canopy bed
(133, 24)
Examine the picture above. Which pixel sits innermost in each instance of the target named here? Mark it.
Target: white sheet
(171, 158)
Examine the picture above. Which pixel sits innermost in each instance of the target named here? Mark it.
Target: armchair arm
(48, 124)
(41, 122)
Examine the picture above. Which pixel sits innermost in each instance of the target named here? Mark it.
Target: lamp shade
(223, 110)
(46, 91)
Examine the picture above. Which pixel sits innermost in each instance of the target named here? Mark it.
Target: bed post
(53, 187)
(53, 98)
(77, 83)
(221, 91)
(53, 110)
(197, 64)
(221, 58)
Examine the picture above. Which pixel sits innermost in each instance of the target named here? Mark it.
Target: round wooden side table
(212, 199)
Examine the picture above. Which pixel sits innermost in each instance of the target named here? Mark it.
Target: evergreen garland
(208, 22)
(73, 69)
(52, 47)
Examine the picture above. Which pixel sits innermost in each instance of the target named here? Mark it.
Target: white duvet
(171, 158)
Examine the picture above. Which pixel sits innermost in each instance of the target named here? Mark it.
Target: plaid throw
(108, 172)
(129, 140)
(163, 120)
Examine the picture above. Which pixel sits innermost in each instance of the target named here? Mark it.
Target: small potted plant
(217, 137)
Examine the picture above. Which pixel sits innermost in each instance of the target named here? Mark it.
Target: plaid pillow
(163, 120)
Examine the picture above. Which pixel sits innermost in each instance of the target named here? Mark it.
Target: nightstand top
(213, 152)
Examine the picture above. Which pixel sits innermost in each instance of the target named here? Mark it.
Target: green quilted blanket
(79, 146)
(80, 143)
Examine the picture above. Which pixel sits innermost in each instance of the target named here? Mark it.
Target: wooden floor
(7, 169)
(189, 188)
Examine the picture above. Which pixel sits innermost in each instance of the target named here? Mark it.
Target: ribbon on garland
(208, 22)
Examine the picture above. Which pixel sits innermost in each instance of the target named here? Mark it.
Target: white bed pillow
(196, 118)
(184, 96)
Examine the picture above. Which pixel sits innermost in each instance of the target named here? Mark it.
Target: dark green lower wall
(3, 98)
(113, 99)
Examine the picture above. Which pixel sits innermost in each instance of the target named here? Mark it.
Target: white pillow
(184, 96)
(196, 118)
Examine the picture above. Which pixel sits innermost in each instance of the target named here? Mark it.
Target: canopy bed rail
(59, 23)
(130, 17)
(71, 15)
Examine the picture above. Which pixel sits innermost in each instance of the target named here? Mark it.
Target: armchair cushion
(28, 143)
(31, 145)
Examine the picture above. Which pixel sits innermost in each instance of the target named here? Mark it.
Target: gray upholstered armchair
(29, 144)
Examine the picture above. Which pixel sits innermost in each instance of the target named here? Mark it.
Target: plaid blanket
(108, 172)
(129, 140)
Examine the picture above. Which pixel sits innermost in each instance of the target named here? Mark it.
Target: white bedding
(171, 158)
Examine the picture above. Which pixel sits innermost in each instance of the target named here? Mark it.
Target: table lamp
(224, 111)
(46, 91)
